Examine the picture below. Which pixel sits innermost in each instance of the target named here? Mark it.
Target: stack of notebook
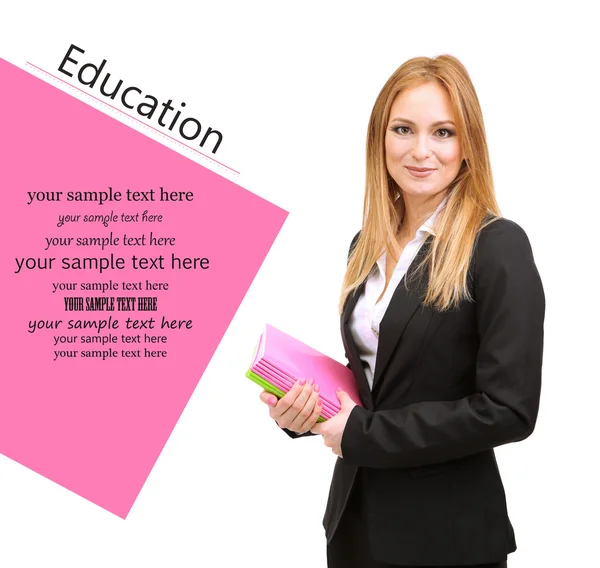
(280, 360)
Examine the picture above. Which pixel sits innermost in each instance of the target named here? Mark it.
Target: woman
(442, 313)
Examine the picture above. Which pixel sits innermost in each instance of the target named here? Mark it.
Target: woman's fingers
(268, 398)
(298, 410)
(303, 408)
(293, 409)
(291, 403)
(315, 403)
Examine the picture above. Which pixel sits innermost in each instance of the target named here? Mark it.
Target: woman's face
(421, 134)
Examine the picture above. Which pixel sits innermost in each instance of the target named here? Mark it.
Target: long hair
(471, 198)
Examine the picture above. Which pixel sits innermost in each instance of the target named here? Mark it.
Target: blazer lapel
(352, 351)
(402, 307)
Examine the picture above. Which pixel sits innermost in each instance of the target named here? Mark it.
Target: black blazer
(448, 388)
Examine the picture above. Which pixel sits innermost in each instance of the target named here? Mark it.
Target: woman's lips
(420, 174)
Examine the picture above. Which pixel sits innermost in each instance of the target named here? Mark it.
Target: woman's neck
(414, 211)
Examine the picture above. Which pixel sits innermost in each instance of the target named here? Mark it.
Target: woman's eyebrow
(400, 119)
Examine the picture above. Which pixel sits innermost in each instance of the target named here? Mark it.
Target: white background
(292, 87)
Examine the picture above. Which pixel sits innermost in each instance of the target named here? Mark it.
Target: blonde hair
(471, 196)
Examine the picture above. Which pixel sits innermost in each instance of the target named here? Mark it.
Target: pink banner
(112, 304)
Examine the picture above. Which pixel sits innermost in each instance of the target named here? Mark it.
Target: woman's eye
(442, 132)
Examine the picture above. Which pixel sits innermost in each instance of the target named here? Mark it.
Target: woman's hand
(332, 430)
(298, 410)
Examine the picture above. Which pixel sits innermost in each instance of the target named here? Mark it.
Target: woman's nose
(421, 149)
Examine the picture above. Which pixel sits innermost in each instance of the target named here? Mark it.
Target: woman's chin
(419, 189)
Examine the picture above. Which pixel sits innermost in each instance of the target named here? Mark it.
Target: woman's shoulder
(497, 231)
(501, 240)
(496, 234)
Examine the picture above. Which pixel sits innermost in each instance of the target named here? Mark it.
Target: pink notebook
(296, 360)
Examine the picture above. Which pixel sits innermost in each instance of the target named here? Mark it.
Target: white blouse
(368, 313)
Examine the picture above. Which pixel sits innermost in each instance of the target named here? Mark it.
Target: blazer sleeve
(510, 306)
(309, 433)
